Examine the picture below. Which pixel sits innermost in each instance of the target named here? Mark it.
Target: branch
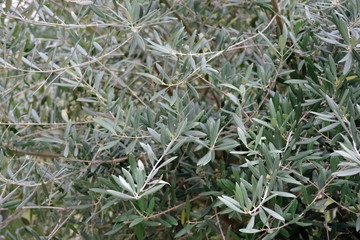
(60, 156)
(277, 13)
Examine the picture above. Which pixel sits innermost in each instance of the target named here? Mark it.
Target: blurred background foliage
(181, 119)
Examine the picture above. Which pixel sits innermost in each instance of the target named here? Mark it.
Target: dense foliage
(182, 119)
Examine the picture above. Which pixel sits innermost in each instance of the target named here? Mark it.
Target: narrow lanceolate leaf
(268, 125)
(227, 145)
(152, 77)
(239, 195)
(122, 183)
(205, 159)
(271, 45)
(129, 178)
(149, 151)
(81, 50)
(357, 224)
(347, 155)
(259, 189)
(234, 98)
(283, 194)
(329, 127)
(242, 136)
(251, 231)
(120, 195)
(84, 206)
(2, 61)
(181, 128)
(347, 172)
(136, 221)
(167, 161)
(154, 134)
(97, 11)
(152, 190)
(126, 185)
(106, 123)
(109, 145)
(282, 42)
(231, 203)
(27, 62)
(99, 190)
(35, 115)
(139, 40)
(274, 214)
(49, 140)
(343, 29)
(251, 223)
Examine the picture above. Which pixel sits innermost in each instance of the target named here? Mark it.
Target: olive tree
(182, 119)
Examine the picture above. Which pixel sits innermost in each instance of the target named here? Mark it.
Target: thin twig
(219, 225)
(170, 209)
(58, 226)
(43, 124)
